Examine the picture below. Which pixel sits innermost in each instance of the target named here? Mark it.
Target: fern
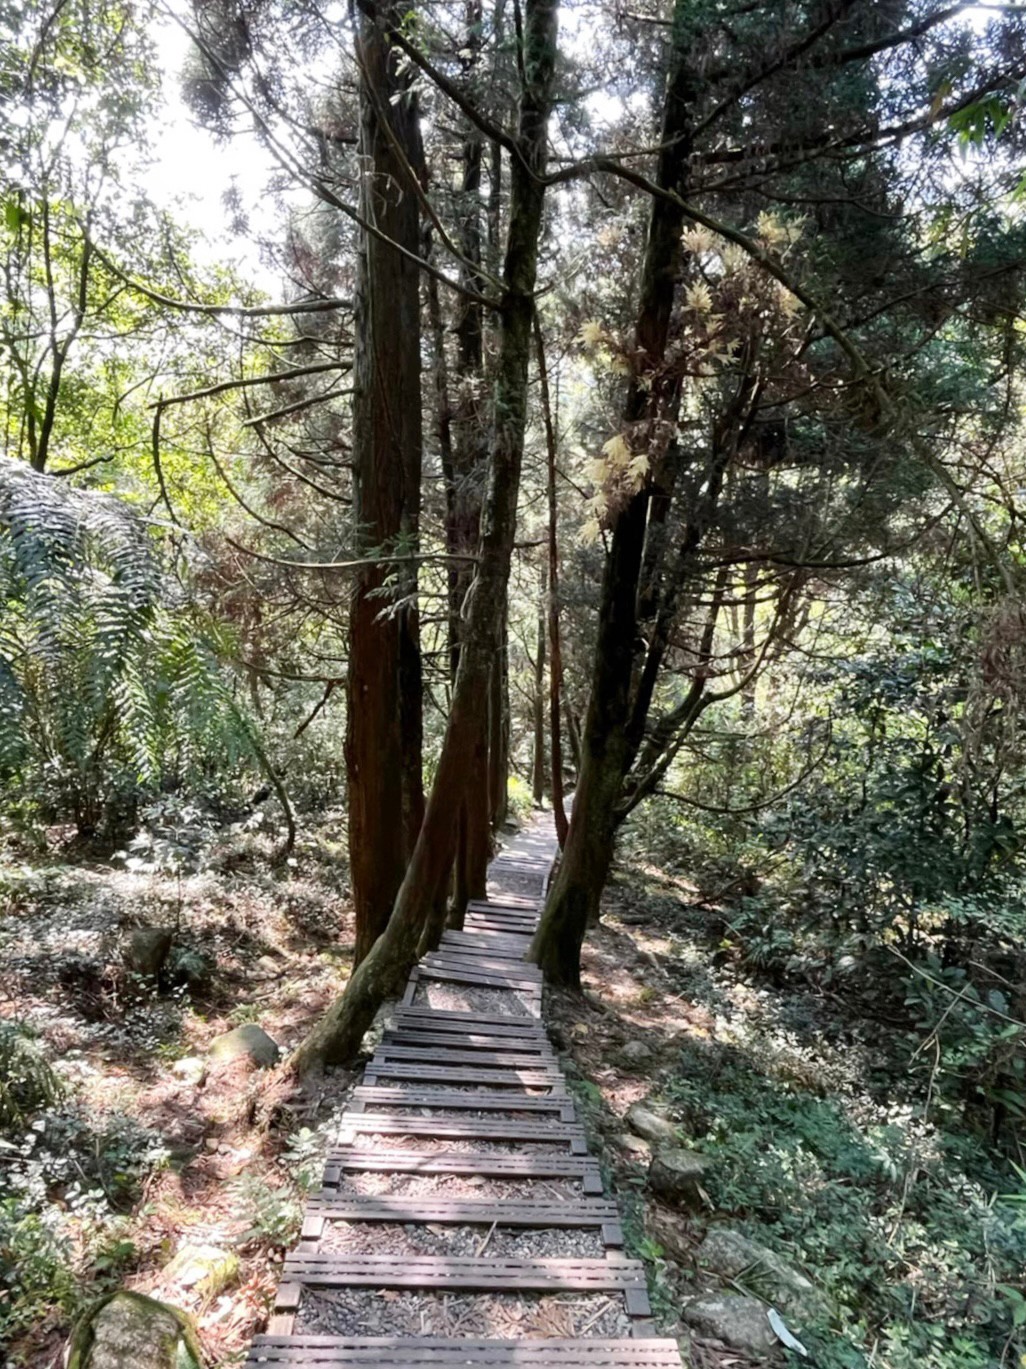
(110, 683)
(27, 1083)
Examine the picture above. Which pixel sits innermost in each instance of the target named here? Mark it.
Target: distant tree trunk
(555, 647)
(337, 1036)
(383, 742)
(608, 745)
(498, 736)
(538, 702)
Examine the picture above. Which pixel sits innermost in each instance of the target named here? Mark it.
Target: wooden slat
(421, 1352)
(510, 904)
(614, 1274)
(453, 1128)
(477, 1041)
(512, 1212)
(463, 1074)
(455, 1053)
(485, 979)
(464, 1023)
(382, 1095)
(516, 969)
(503, 948)
(463, 1017)
(489, 1164)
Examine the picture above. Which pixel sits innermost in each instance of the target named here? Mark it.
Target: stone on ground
(147, 949)
(676, 1175)
(645, 1119)
(190, 1069)
(734, 1256)
(636, 1053)
(248, 1042)
(129, 1329)
(738, 1321)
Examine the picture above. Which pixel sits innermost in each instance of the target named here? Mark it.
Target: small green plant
(27, 1083)
(35, 1268)
(271, 1216)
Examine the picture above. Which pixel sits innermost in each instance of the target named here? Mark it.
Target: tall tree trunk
(607, 747)
(555, 646)
(538, 702)
(383, 742)
(498, 735)
(337, 1036)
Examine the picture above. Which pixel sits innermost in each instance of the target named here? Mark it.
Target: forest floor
(816, 1147)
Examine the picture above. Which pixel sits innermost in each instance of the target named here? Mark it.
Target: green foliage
(270, 1216)
(109, 687)
(895, 1217)
(36, 1271)
(27, 1083)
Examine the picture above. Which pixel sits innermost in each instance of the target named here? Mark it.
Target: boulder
(676, 1175)
(130, 1329)
(740, 1322)
(203, 1267)
(636, 1053)
(248, 1042)
(733, 1256)
(191, 1070)
(147, 949)
(634, 1145)
(645, 1120)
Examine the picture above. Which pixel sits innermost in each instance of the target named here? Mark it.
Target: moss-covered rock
(129, 1329)
(248, 1042)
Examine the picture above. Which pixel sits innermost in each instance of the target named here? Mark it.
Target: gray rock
(734, 1256)
(248, 1042)
(190, 968)
(131, 1329)
(676, 1174)
(634, 1145)
(147, 949)
(738, 1321)
(636, 1053)
(190, 1069)
(646, 1121)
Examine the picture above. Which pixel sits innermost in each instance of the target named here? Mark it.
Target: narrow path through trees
(461, 1219)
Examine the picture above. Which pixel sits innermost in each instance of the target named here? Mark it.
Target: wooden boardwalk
(465, 1094)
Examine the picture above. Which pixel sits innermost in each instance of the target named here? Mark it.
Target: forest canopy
(612, 411)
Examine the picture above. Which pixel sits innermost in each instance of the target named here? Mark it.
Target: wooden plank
(415, 1036)
(512, 1212)
(615, 1273)
(489, 1164)
(423, 1352)
(504, 948)
(383, 1096)
(486, 979)
(461, 1024)
(462, 1074)
(465, 1017)
(453, 1055)
(481, 1128)
(518, 969)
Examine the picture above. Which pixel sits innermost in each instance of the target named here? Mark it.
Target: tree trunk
(383, 742)
(555, 646)
(607, 747)
(337, 1037)
(538, 710)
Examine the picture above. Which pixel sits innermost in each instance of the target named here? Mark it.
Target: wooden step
(475, 960)
(464, 1128)
(436, 1020)
(488, 1164)
(485, 979)
(512, 1212)
(502, 948)
(464, 1075)
(455, 1055)
(461, 1040)
(614, 1274)
(381, 1095)
(423, 1352)
(509, 904)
